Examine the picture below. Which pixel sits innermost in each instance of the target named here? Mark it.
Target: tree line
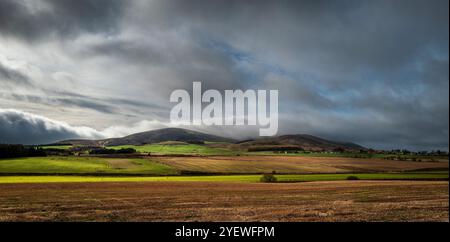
(13, 151)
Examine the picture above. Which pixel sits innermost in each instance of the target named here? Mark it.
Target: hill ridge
(293, 141)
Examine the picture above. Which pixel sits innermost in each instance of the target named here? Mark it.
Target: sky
(372, 72)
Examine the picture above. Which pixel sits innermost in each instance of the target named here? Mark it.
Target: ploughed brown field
(202, 201)
(293, 164)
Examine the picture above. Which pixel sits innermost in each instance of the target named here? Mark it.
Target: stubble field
(293, 164)
(215, 201)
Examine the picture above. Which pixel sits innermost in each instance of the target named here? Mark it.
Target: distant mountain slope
(154, 136)
(304, 141)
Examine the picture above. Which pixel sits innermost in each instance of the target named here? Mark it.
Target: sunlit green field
(186, 149)
(231, 178)
(82, 165)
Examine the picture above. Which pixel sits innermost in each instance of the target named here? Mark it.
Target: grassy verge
(230, 178)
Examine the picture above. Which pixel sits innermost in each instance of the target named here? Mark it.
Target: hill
(295, 142)
(152, 137)
(280, 143)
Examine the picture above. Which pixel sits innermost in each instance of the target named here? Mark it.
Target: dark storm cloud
(34, 20)
(337, 38)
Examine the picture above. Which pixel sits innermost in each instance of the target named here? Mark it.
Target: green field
(231, 178)
(82, 165)
(57, 147)
(182, 149)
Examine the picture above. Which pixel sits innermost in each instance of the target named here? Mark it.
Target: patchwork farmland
(202, 188)
(192, 180)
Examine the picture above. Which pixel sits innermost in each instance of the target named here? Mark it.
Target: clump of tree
(126, 151)
(104, 151)
(420, 153)
(13, 151)
(59, 152)
(352, 178)
(339, 150)
(196, 142)
(268, 178)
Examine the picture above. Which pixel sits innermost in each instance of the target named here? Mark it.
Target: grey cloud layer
(12, 76)
(374, 72)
